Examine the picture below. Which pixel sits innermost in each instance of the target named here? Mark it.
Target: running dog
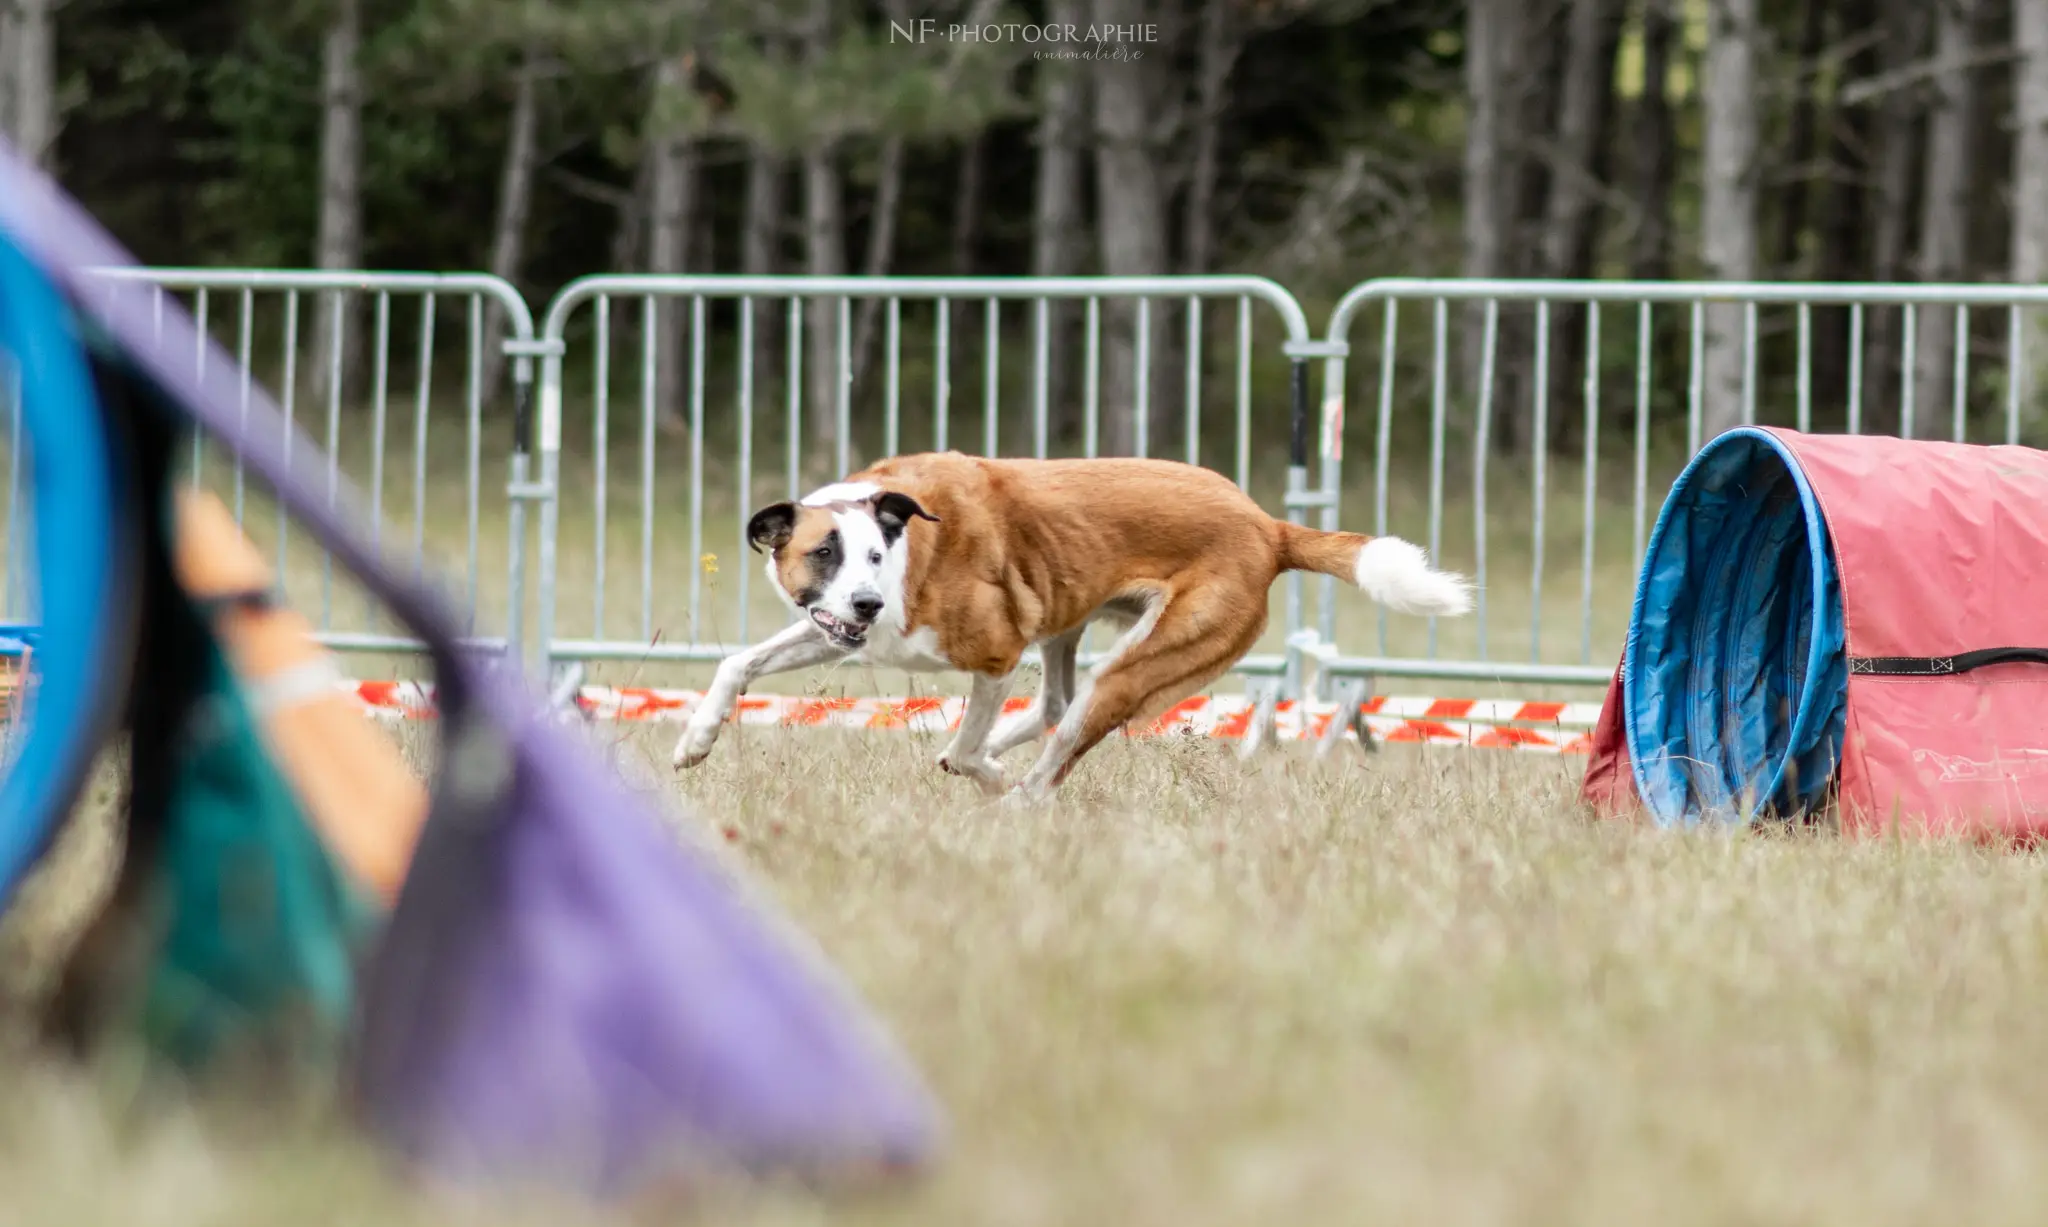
(944, 561)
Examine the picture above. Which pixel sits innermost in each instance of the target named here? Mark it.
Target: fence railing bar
(1540, 453)
(601, 459)
(1091, 384)
(653, 328)
(2017, 375)
(892, 379)
(697, 564)
(1439, 413)
(1591, 479)
(1646, 339)
(744, 410)
(1805, 372)
(290, 406)
(942, 375)
(423, 390)
(1141, 406)
(1856, 368)
(1194, 382)
(1244, 394)
(1960, 393)
(245, 343)
(473, 455)
(1383, 438)
(1909, 353)
(201, 334)
(1482, 451)
(991, 350)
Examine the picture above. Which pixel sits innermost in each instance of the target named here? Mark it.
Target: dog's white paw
(695, 744)
(984, 771)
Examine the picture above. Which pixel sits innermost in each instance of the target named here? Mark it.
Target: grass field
(1423, 989)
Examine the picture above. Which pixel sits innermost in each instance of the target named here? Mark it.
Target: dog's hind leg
(1055, 693)
(1198, 634)
(967, 754)
(798, 646)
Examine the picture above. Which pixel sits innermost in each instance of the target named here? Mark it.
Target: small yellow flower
(710, 564)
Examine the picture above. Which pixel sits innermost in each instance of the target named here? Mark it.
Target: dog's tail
(1391, 571)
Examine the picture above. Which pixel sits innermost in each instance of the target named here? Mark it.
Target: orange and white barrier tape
(1509, 724)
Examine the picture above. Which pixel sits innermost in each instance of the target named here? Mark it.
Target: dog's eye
(823, 551)
(875, 557)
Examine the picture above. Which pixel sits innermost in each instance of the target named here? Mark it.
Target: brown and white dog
(944, 561)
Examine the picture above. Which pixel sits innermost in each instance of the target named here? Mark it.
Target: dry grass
(1421, 990)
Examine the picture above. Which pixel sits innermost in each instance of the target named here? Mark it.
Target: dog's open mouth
(845, 634)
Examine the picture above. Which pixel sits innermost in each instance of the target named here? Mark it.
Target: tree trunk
(9, 63)
(1899, 133)
(1056, 215)
(1945, 200)
(672, 187)
(1655, 147)
(967, 210)
(1844, 228)
(882, 217)
(1488, 35)
(1569, 222)
(35, 80)
(341, 197)
(1218, 55)
(515, 205)
(1799, 142)
(1131, 223)
(825, 256)
(1535, 74)
(1536, 97)
(1578, 172)
(1729, 199)
(881, 250)
(761, 248)
(629, 239)
(2030, 187)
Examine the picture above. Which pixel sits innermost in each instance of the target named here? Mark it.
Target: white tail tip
(1397, 574)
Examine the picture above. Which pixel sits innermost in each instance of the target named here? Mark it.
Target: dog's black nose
(867, 608)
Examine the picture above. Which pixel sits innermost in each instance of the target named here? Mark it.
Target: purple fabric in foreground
(563, 990)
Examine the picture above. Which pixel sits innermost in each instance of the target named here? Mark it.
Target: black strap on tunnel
(1941, 666)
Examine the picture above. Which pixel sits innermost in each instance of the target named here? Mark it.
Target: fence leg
(1264, 693)
(568, 680)
(1350, 694)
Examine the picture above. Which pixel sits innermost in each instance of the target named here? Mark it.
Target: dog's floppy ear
(771, 526)
(894, 510)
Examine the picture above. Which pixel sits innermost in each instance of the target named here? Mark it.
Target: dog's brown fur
(1026, 550)
(977, 561)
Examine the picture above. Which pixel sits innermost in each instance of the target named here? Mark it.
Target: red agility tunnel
(1839, 618)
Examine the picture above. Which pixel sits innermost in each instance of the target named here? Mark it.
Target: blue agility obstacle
(1845, 622)
(562, 987)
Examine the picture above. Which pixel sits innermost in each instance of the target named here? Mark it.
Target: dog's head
(840, 555)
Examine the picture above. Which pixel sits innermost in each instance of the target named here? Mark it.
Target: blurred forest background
(1318, 142)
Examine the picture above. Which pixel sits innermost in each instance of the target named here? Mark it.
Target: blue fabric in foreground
(1735, 675)
(74, 497)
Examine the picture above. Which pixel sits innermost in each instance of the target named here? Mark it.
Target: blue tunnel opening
(1735, 674)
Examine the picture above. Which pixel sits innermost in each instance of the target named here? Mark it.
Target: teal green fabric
(261, 926)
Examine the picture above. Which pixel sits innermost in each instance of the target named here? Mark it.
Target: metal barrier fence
(1720, 338)
(263, 309)
(1652, 367)
(798, 303)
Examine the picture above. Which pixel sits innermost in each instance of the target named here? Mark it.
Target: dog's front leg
(1054, 693)
(968, 753)
(794, 647)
